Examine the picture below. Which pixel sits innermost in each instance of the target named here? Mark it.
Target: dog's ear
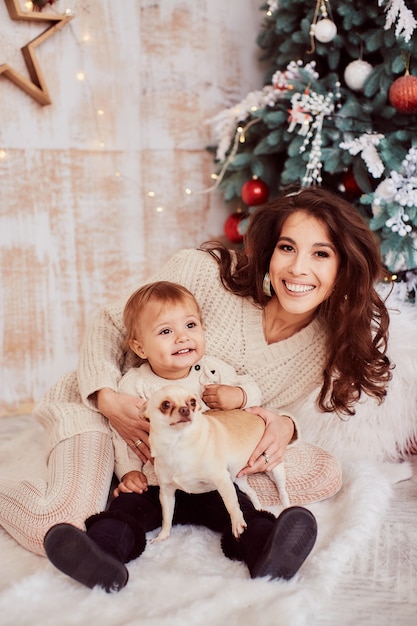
(142, 412)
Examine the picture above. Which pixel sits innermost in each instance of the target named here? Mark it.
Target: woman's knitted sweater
(289, 373)
(285, 371)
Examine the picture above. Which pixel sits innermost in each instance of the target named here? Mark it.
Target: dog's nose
(184, 411)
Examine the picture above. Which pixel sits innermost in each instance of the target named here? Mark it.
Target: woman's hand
(270, 451)
(132, 482)
(122, 411)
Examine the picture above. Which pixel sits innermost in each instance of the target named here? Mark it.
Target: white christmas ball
(325, 30)
(356, 74)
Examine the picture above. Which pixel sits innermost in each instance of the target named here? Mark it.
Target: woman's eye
(285, 247)
(323, 254)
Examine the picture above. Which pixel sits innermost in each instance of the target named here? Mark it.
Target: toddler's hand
(224, 397)
(132, 482)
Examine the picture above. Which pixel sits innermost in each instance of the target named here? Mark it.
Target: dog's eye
(166, 405)
(193, 403)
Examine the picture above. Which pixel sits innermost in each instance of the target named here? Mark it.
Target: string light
(83, 41)
(81, 77)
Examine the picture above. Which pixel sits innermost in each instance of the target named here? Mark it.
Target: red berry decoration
(403, 94)
(254, 192)
(231, 227)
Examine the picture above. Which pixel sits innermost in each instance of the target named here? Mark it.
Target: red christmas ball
(231, 227)
(403, 94)
(254, 192)
(350, 185)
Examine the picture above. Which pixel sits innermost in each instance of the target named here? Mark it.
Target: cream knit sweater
(285, 371)
(289, 373)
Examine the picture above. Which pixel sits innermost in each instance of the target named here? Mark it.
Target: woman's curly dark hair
(354, 316)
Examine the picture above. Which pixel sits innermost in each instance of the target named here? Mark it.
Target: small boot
(96, 557)
(117, 532)
(274, 547)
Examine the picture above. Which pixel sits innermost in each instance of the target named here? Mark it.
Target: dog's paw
(161, 537)
(238, 528)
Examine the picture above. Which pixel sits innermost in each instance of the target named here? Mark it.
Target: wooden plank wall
(78, 222)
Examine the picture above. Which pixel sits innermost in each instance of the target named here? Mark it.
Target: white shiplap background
(77, 226)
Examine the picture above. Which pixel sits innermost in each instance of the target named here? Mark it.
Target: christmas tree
(338, 109)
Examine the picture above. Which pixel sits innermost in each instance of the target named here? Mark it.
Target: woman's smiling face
(304, 264)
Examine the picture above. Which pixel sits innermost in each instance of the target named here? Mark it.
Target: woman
(297, 310)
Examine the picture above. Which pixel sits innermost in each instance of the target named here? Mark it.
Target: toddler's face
(171, 338)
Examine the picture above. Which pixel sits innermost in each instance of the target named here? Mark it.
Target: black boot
(96, 557)
(117, 532)
(274, 547)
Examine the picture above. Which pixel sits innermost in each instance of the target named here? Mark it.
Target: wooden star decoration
(36, 86)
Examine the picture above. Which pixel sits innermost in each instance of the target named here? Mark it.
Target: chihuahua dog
(199, 452)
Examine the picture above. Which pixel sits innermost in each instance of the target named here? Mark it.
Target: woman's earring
(267, 287)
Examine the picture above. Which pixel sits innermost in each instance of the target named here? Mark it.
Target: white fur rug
(186, 579)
